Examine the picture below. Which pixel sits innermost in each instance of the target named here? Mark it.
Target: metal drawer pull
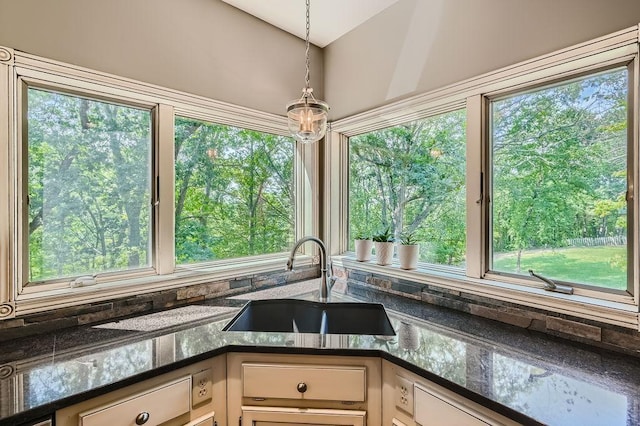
(302, 387)
(142, 418)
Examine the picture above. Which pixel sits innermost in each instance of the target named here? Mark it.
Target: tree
(234, 192)
(559, 153)
(403, 177)
(88, 185)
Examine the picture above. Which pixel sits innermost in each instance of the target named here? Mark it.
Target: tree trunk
(131, 202)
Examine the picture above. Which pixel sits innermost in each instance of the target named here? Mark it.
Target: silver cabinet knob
(302, 387)
(142, 418)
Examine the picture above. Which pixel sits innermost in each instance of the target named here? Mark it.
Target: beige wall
(420, 45)
(204, 47)
(211, 49)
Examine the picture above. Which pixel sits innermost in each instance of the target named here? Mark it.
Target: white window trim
(631, 63)
(16, 299)
(614, 49)
(7, 303)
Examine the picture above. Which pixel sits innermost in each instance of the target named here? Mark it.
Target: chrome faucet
(324, 265)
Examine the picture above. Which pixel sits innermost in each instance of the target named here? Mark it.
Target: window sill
(47, 297)
(605, 311)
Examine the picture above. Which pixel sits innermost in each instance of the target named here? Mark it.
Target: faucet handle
(332, 281)
(289, 266)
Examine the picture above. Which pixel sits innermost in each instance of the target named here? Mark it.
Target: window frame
(625, 296)
(24, 84)
(446, 109)
(613, 50)
(298, 229)
(18, 71)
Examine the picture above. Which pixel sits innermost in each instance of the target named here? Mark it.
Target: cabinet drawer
(431, 410)
(313, 382)
(281, 416)
(161, 404)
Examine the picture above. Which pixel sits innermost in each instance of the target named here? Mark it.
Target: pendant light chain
(307, 116)
(306, 77)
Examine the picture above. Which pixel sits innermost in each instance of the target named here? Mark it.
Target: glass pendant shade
(307, 116)
(307, 119)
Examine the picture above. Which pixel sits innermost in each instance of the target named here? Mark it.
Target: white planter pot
(408, 256)
(384, 253)
(363, 250)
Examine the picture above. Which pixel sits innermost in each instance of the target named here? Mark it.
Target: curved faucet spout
(324, 264)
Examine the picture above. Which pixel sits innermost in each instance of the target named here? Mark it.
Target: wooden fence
(619, 240)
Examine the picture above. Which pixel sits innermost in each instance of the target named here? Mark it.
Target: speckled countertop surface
(530, 377)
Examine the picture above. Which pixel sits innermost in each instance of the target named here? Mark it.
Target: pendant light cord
(306, 77)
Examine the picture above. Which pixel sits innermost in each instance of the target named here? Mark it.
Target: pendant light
(307, 116)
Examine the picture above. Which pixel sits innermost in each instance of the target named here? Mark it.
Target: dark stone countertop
(528, 376)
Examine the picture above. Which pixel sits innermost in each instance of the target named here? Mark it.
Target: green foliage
(404, 176)
(88, 185)
(559, 160)
(559, 165)
(384, 236)
(234, 193)
(361, 231)
(361, 236)
(408, 239)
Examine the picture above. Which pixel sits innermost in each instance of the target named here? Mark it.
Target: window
(411, 178)
(234, 192)
(528, 167)
(560, 180)
(127, 188)
(88, 174)
(533, 167)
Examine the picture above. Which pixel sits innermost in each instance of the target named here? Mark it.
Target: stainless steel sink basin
(303, 316)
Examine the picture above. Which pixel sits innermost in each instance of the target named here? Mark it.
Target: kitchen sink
(304, 316)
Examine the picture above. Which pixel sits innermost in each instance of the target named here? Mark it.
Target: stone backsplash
(592, 333)
(103, 311)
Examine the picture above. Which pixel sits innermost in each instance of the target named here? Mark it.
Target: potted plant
(363, 245)
(408, 251)
(383, 242)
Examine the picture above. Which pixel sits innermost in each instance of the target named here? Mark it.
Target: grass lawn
(601, 266)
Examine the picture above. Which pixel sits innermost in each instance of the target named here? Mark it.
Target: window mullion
(633, 165)
(164, 190)
(306, 175)
(335, 223)
(476, 196)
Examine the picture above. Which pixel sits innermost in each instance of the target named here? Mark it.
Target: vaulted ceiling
(330, 19)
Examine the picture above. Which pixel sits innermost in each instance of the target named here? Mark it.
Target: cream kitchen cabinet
(432, 408)
(157, 405)
(410, 400)
(281, 416)
(260, 389)
(267, 389)
(166, 399)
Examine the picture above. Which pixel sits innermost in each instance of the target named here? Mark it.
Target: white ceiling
(330, 19)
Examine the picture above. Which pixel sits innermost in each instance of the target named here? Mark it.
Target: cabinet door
(206, 420)
(152, 408)
(433, 411)
(281, 416)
